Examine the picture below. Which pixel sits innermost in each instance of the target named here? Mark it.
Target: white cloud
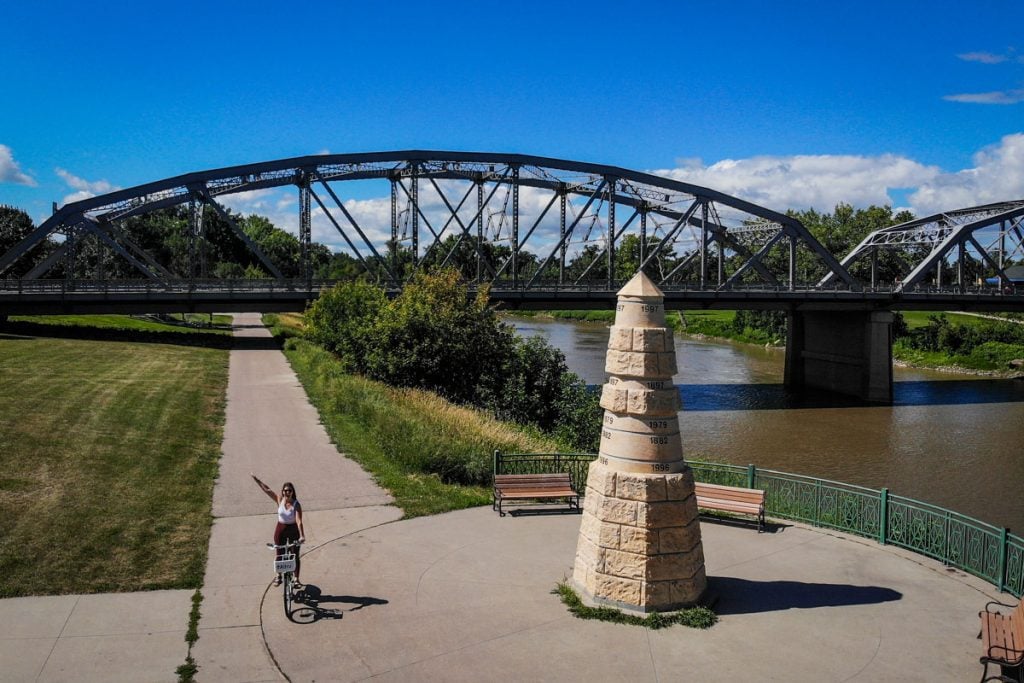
(997, 175)
(85, 188)
(10, 171)
(806, 181)
(983, 57)
(1010, 96)
(994, 97)
(251, 201)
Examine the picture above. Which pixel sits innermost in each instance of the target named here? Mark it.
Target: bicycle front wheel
(287, 585)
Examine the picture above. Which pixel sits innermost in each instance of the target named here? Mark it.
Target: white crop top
(286, 515)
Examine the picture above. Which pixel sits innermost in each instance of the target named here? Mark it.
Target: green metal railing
(981, 549)
(576, 464)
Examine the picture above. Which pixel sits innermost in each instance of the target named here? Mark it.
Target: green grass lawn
(108, 453)
(917, 319)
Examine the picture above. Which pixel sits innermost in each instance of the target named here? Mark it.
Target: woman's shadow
(311, 599)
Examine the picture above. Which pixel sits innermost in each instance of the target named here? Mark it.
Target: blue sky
(789, 104)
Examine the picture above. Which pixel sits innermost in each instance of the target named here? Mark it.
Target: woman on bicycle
(289, 521)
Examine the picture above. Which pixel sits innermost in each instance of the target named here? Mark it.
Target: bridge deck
(54, 297)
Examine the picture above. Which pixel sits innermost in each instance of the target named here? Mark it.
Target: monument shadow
(743, 596)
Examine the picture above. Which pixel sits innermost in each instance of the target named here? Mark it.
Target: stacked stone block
(639, 546)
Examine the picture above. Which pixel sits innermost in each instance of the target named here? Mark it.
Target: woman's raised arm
(266, 489)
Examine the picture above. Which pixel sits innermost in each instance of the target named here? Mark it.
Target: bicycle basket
(285, 564)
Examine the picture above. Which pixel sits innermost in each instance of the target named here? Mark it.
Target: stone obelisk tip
(641, 286)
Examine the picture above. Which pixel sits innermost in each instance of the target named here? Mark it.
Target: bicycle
(284, 564)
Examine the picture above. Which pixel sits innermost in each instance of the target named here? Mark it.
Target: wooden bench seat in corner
(1002, 641)
(520, 487)
(731, 499)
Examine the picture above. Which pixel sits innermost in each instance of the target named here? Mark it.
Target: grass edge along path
(431, 455)
(108, 454)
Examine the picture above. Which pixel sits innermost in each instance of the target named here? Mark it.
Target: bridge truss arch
(950, 250)
(524, 220)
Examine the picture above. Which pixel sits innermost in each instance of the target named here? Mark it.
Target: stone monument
(639, 546)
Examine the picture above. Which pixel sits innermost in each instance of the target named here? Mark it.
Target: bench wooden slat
(533, 487)
(1002, 636)
(731, 499)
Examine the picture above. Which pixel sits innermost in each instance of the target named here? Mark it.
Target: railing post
(883, 516)
(817, 502)
(945, 539)
(751, 473)
(1001, 571)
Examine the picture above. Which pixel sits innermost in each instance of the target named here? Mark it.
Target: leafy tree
(771, 323)
(434, 337)
(16, 225)
(340, 266)
(342, 318)
(627, 258)
(579, 415)
(533, 384)
(588, 257)
(841, 231)
(228, 271)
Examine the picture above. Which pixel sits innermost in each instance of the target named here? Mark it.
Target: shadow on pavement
(770, 527)
(312, 598)
(255, 344)
(742, 596)
(541, 511)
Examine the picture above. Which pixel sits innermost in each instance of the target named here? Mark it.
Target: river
(952, 440)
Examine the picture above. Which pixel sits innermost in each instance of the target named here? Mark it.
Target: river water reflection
(952, 440)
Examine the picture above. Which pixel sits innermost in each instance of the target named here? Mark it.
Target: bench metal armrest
(1000, 604)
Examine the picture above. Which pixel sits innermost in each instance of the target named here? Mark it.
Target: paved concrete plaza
(466, 596)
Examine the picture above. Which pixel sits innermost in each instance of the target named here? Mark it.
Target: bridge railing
(43, 286)
(986, 551)
(128, 286)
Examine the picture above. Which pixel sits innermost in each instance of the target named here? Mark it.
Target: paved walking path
(110, 637)
(272, 430)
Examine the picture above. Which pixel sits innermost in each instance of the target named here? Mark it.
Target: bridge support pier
(845, 352)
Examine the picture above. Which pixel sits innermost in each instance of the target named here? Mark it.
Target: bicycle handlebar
(286, 546)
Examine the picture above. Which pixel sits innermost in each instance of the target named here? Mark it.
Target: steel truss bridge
(541, 232)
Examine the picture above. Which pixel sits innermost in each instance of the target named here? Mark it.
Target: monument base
(639, 547)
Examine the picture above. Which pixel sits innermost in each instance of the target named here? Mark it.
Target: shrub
(342, 318)
(994, 355)
(432, 336)
(435, 337)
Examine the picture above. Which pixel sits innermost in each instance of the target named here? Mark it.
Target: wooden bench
(1002, 640)
(731, 499)
(533, 487)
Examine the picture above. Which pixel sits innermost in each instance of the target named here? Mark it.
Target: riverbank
(716, 326)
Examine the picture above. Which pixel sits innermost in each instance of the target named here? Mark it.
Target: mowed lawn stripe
(108, 453)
